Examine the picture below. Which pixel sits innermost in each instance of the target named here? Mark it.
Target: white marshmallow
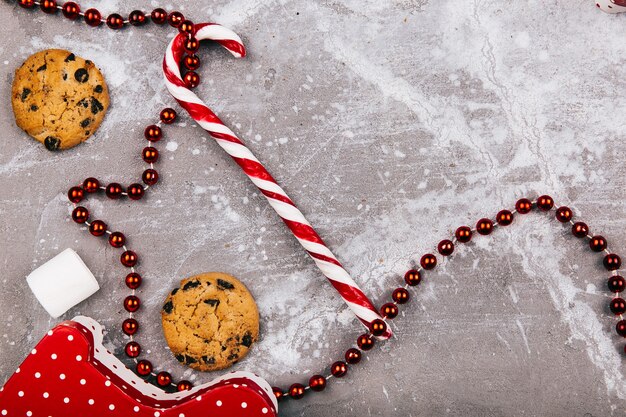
(62, 282)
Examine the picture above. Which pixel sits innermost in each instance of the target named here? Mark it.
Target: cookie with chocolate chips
(210, 321)
(59, 98)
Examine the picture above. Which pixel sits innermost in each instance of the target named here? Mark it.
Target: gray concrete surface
(390, 123)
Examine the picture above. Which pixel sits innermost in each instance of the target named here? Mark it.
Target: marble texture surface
(390, 123)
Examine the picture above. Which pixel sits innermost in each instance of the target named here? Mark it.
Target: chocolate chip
(174, 291)
(34, 108)
(212, 302)
(88, 62)
(180, 358)
(84, 102)
(98, 88)
(208, 360)
(81, 75)
(64, 76)
(96, 106)
(247, 340)
(189, 359)
(42, 68)
(191, 284)
(25, 93)
(52, 143)
(168, 307)
(85, 122)
(70, 57)
(223, 348)
(232, 356)
(225, 284)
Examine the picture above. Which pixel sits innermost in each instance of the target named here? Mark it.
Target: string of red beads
(365, 342)
(463, 234)
(128, 258)
(93, 17)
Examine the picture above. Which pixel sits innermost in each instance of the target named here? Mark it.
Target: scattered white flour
(171, 146)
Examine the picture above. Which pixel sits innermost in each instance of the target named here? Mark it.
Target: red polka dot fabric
(70, 373)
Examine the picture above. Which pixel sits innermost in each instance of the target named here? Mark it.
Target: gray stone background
(390, 123)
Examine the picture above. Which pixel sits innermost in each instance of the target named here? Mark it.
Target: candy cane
(349, 291)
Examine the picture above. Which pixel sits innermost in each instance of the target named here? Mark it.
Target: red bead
(412, 277)
(175, 19)
(616, 283)
(97, 228)
(130, 326)
(135, 191)
(545, 203)
(187, 26)
(158, 16)
(48, 6)
(317, 383)
(80, 214)
(428, 261)
(184, 386)
(618, 306)
(597, 243)
(400, 295)
(191, 45)
(523, 206)
(365, 342)
(115, 21)
(117, 239)
(93, 17)
(132, 349)
(484, 227)
(129, 258)
(114, 190)
(164, 379)
(353, 356)
(378, 327)
(580, 229)
(191, 79)
(191, 62)
(389, 311)
(339, 369)
(504, 217)
(27, 4)
(137, 18)
(445, 247)
(91, 185)
(150, 154)
(150, 176)
(463, 234)
(71, 10)
(75, 194)
(278, 393)
(296, 391)
(153, 133)
(168, 115)
(144, 367)
(133, 280)
(564, 214)
(620, 328)
(612, 262)
(131, 303)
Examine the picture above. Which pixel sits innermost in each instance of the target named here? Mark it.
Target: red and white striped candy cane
(276, 196)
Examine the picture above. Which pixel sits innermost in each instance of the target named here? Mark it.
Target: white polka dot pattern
(71, 373)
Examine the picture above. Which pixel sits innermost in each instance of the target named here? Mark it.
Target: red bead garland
(150, 176)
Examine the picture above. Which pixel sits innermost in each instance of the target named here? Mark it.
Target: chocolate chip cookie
(59, 98)
(210, 321)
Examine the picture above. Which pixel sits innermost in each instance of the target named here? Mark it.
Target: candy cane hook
(349, 291)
